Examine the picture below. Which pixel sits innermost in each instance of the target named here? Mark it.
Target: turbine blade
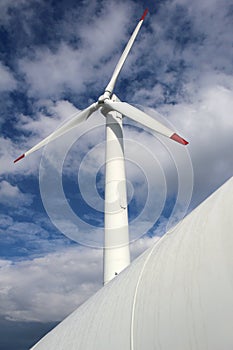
(144, 119)
(124, 55)
(76, 119)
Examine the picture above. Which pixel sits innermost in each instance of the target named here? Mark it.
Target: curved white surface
(177, 296)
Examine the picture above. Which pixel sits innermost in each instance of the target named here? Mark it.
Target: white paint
(140, 117)
(177, 295)
(112, 82)
(116, 238)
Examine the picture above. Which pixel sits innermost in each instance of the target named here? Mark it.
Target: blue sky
(56, 58)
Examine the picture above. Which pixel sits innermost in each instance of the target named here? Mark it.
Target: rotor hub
(105, 96)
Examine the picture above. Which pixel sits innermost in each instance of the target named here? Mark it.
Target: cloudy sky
(56, 58)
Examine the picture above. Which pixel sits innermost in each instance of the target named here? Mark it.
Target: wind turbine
(116, 236)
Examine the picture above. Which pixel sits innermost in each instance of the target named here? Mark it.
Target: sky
(56, 57)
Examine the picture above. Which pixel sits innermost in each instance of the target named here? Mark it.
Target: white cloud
(49, 288)
(12, 196)
(7, 80)
(208, 124)
(91, 62)
(186, 42)
(6, 6)
(48, 115)
(63, 69)
(5, 221)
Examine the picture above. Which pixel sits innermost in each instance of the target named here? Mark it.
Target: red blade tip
(179, 139)
(144, 15)
(22, 156)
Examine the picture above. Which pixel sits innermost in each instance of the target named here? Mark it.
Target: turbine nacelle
(106, 96)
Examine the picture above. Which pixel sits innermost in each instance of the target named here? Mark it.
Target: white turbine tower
(116, 241)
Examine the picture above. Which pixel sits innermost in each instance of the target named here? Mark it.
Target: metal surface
(177, 295)
(116, 237)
